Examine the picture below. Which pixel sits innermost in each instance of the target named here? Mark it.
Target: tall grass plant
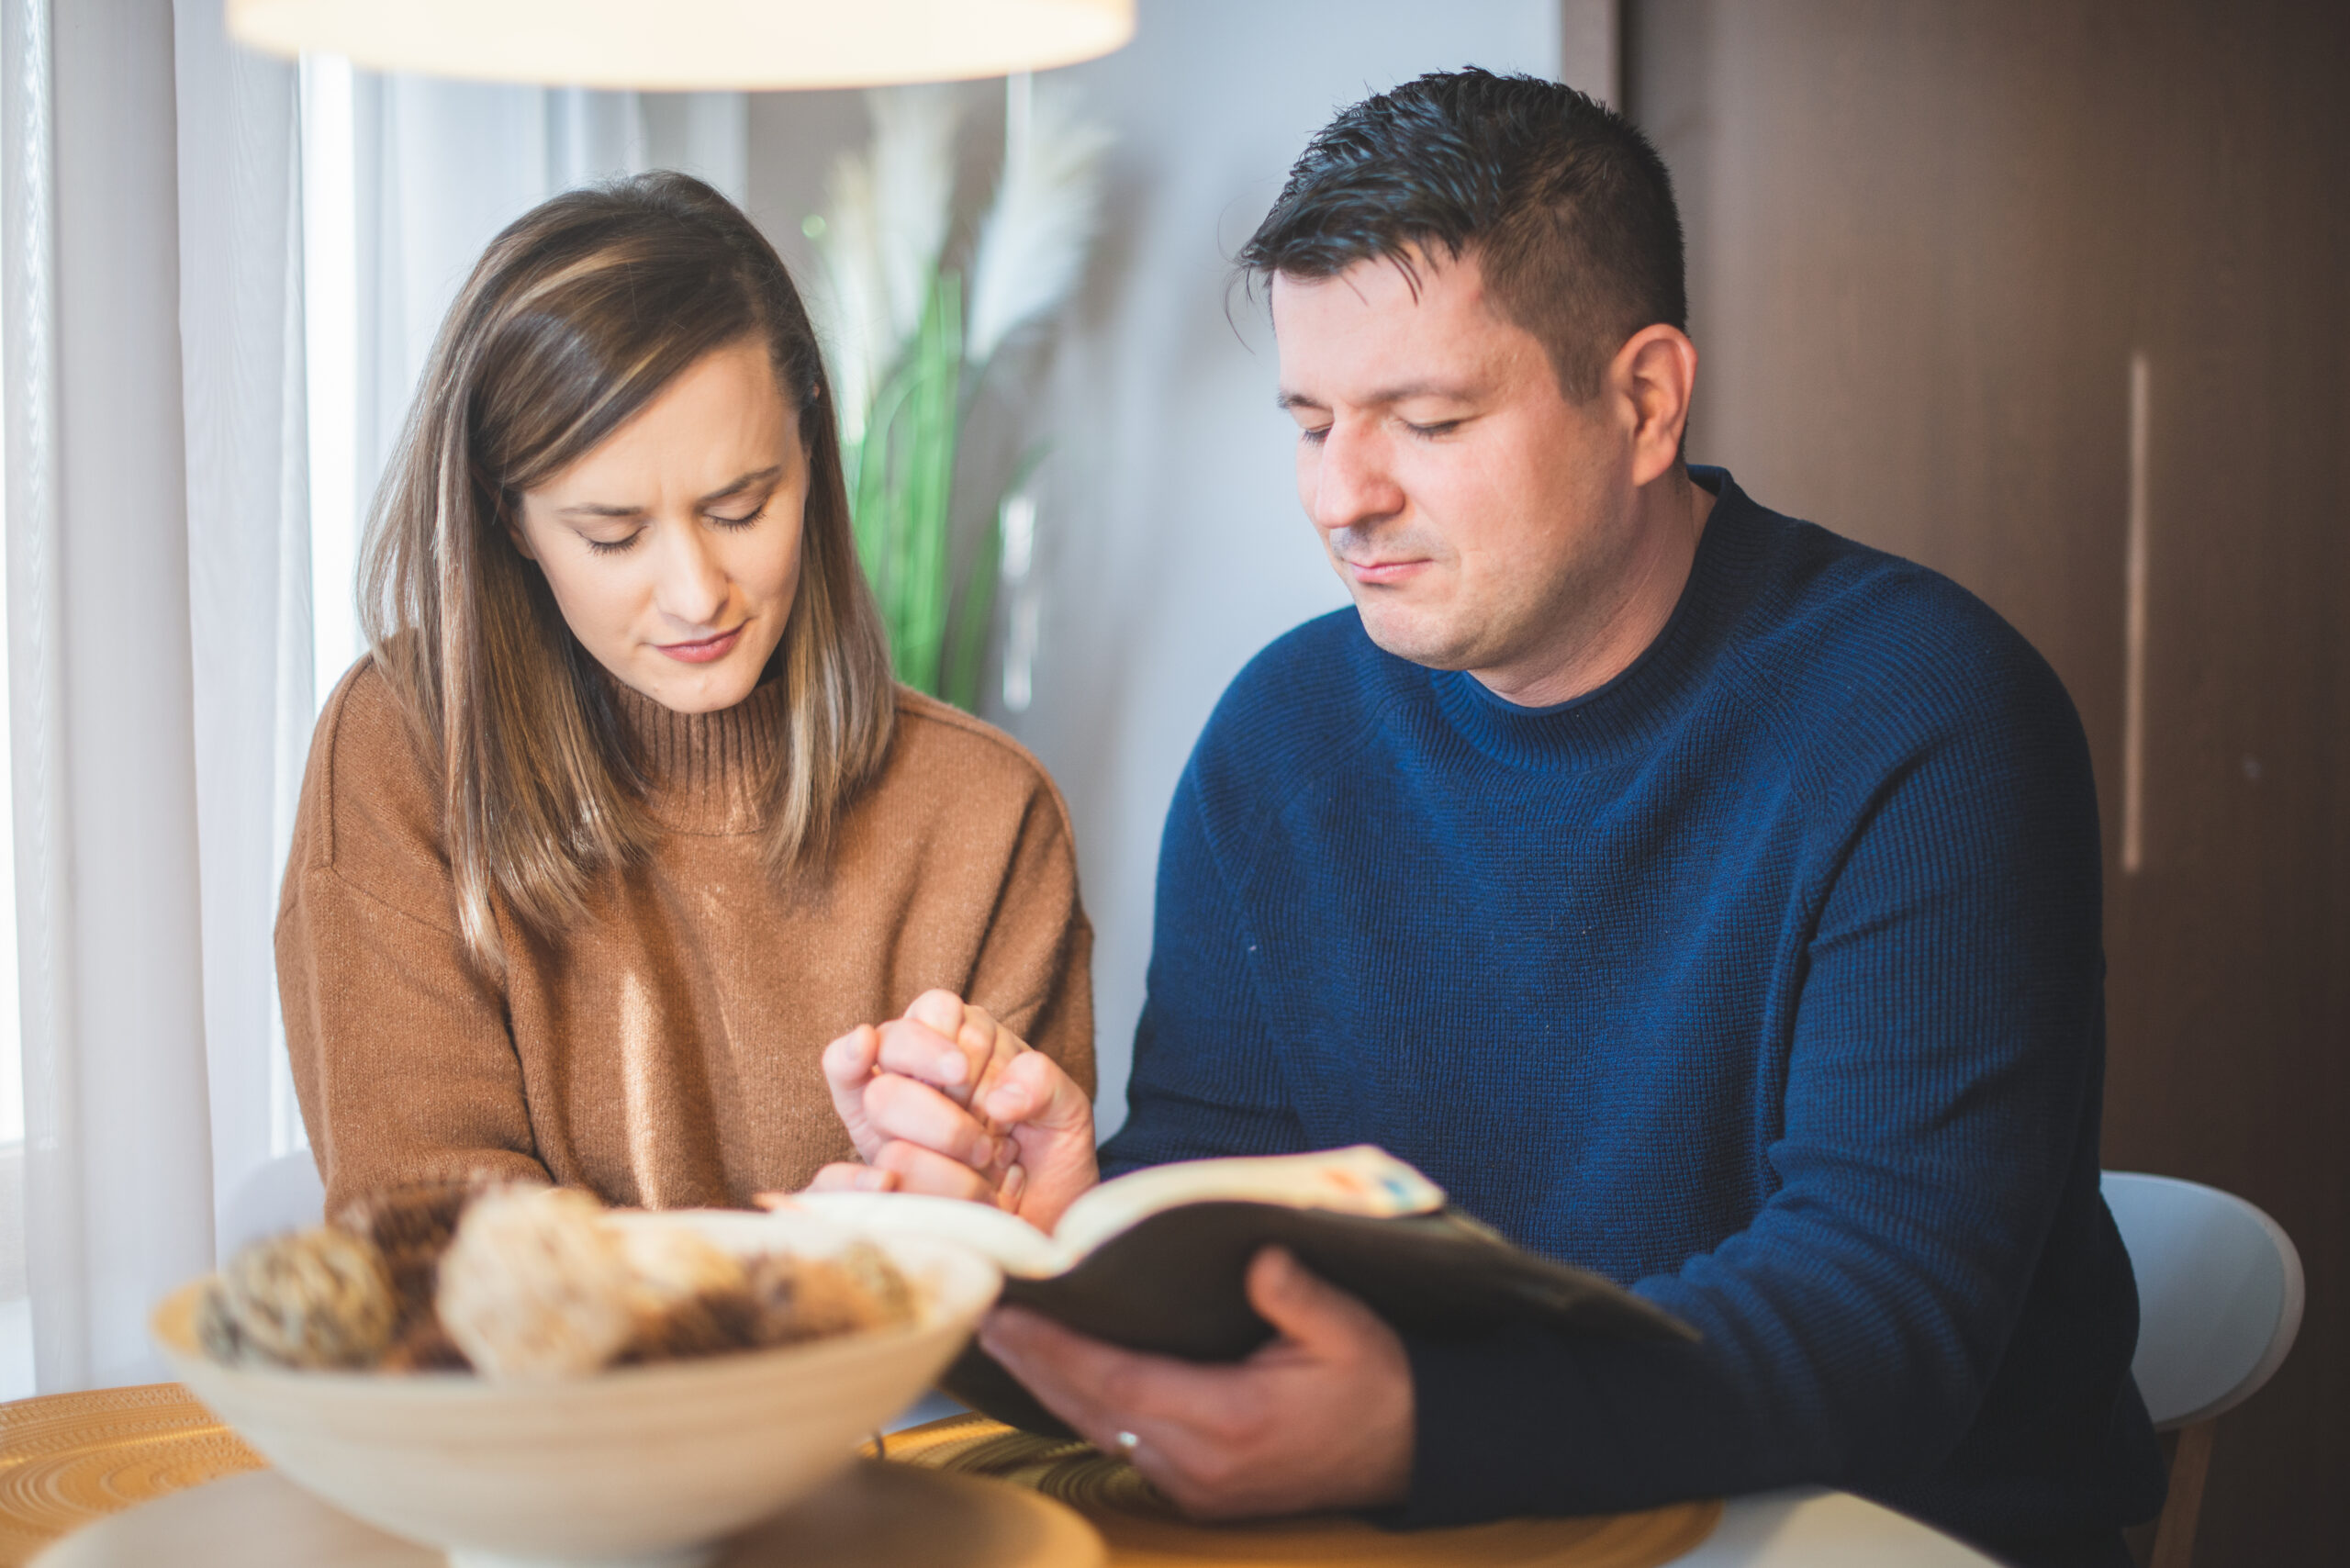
(909, 357)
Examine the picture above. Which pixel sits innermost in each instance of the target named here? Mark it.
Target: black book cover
(1174, 1284)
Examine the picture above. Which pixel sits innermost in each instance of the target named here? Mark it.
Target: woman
(622, 819)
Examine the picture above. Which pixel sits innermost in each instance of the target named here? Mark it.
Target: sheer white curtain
(179, 536)
(118, 1177)
(242, 368)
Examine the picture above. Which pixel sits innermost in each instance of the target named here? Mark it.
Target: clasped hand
(946, 1101)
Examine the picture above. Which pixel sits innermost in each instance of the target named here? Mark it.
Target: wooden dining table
(72, 1461)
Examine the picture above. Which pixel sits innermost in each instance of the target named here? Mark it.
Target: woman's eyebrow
(747, 482)
(727, 491)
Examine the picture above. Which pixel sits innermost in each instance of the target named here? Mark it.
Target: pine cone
(424, 1346)
(808, 1298)
(691, 1296)
(411, 1226)
(705, 1323)
(315, 1298)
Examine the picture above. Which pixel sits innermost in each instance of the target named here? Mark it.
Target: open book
(1156, 1260)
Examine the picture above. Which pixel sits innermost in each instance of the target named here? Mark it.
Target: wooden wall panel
(1927, 240)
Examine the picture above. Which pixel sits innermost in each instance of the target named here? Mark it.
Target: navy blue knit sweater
(1765, 979)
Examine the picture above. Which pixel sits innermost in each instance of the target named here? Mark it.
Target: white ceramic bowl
(642, 1466)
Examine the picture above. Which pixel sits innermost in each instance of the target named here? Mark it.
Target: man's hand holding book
(947, 1101)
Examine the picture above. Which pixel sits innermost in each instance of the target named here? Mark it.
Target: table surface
(67, 1459)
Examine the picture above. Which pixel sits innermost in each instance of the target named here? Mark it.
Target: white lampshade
(692, 44)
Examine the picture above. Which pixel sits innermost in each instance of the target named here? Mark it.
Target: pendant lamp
(656, 45)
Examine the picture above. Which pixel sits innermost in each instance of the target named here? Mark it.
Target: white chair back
(285, 1194)
(2220, 1294)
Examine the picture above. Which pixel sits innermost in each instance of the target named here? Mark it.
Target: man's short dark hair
(1566, 206)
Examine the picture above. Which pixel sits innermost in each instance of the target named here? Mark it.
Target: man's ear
(1655, 374)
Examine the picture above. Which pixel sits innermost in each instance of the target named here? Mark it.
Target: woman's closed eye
(740, 519)
(628, 541)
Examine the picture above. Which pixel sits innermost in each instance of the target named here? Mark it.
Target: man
(1696, 896)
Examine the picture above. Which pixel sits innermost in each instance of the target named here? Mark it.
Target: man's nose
(1353, 484)
(692, 585)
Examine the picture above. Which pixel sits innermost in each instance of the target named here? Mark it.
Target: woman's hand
(947, 1101)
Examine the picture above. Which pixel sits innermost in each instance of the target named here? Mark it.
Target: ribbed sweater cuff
(1513, 1422)
(1482, 1439)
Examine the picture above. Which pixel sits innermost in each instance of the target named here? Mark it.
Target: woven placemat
(67, 1459)
(1143, 1531)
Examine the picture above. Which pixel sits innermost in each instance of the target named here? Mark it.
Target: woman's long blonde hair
(576, 317)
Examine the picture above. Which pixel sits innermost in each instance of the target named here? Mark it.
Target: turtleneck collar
(711, 772)
(1627, 714)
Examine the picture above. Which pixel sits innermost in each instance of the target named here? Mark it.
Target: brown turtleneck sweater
(664, 1051)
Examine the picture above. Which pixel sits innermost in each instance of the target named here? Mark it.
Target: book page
(1007, 1240)
(1364, 1180)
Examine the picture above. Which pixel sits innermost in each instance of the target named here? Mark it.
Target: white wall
(1172, 540)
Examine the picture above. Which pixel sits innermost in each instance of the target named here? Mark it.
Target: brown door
(2051, 295)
